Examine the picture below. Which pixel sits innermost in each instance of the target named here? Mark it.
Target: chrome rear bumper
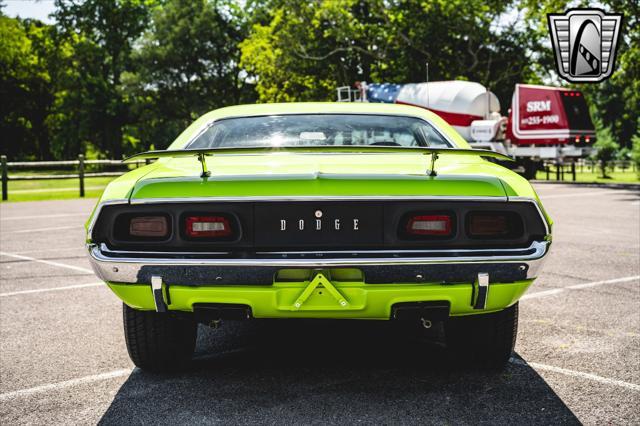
(442, 266)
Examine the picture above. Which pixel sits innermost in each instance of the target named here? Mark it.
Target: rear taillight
(149, 226)
(482, 225)
(429, 225)
(494, 225)
(207, 227)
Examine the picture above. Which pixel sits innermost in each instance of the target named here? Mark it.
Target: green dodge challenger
(319, 210)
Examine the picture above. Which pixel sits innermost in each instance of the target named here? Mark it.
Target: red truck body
(541, 115)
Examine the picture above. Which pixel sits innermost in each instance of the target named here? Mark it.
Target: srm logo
(584, 43)
(538, 106)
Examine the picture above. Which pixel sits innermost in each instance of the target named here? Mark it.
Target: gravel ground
(63, 358)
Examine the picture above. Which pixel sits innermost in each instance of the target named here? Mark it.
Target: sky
(39, 9)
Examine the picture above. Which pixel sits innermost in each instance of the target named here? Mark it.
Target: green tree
(304, 50)
(115, 76)
(635, 152)
(617, 100)
(187, 63)
(53, 56)
(606, 149)
(29, 66)
(16, 57)
(104, 32)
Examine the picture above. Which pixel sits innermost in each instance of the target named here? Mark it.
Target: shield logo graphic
(584, 43)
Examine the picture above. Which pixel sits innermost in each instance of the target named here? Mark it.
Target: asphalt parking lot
(63, 357)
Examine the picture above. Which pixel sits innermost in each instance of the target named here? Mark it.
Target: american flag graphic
(383, 92)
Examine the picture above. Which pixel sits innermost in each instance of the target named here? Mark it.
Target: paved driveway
(63, 358)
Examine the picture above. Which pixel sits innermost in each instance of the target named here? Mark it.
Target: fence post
(5, 177)
(557, 170)
(81, 173)
(546, 168)
(573, 171)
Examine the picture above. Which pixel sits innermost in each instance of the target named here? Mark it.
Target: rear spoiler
(361, 149)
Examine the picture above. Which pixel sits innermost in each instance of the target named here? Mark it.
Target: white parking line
(46, 262)
(47, 250)
(65, 189)
(40, 216)
(43, 290)
(61, 385)
(573, 373)
(578, 194)
(121, 373)
(555, 291)
(55, 228)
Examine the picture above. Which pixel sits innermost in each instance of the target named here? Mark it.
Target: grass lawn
(587, 176)
(55, 189)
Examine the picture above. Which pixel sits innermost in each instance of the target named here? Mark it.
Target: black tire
(485, 340)
(158, 342)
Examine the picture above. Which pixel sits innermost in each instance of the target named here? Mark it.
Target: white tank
(457, 102)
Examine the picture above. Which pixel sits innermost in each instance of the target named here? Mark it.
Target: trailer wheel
(157, 342)
(485, 340)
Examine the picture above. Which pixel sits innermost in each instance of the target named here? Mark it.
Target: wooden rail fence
(79, 164)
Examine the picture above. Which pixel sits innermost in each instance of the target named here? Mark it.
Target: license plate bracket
(319, 280)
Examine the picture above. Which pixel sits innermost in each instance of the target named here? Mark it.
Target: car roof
(318, 108)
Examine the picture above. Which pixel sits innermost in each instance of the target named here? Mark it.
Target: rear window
(319, 130)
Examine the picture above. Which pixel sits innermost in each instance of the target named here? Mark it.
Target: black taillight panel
(523, 224)
(421, 225)
(114, 225)
(143, 227)
(493, 225)
(210, 226)
(276, 226)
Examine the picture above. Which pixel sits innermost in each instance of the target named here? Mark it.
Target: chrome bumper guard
(378, 267)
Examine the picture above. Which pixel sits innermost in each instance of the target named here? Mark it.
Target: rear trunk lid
(287, 174)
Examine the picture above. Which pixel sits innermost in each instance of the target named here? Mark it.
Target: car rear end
(333, 234)
(261, 254)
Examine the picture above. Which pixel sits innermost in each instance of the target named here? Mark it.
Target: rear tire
(485, 340)
(158, 342)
